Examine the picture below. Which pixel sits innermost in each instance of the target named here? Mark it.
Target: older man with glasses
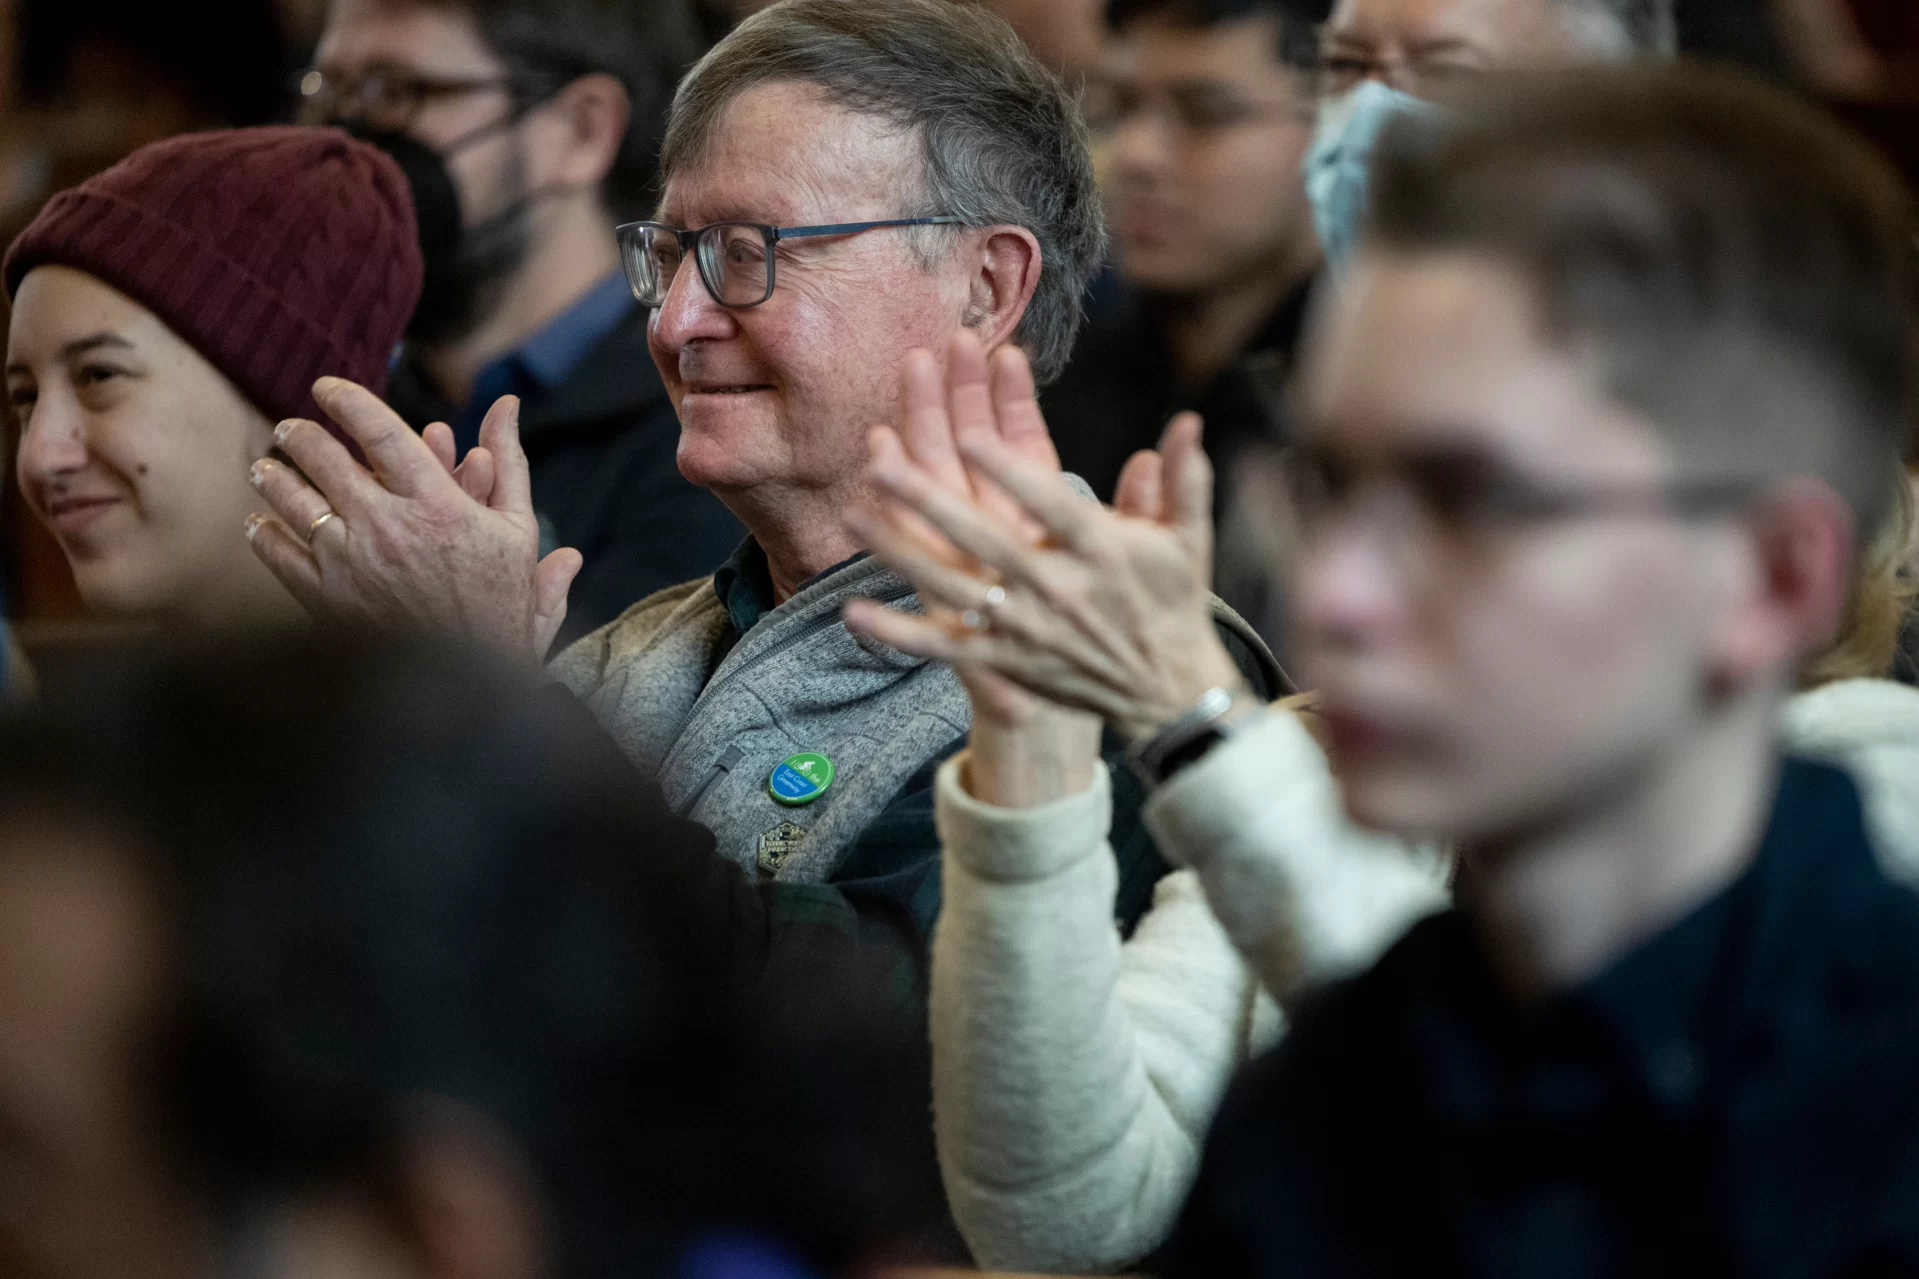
(850, 183)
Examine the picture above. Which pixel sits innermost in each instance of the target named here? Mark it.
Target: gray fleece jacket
(711, 723)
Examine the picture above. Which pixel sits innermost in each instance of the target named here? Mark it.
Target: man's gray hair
(1625, 28)
(1001, 138)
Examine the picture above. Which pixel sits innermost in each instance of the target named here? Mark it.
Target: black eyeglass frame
(770, 236)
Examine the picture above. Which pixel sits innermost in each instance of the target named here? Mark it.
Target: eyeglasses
(390, 99)
(735, 259)
(1447, 506)
(1194, 111)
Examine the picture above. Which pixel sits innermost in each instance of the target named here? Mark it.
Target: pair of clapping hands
(409, 538)
(1058, 613)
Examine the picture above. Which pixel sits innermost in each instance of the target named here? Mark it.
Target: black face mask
(467, 267)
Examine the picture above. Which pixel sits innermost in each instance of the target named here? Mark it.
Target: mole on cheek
(140, 469)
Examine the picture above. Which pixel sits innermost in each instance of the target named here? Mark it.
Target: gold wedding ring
(314, 528)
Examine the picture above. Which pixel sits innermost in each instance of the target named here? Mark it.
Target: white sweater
(1075, 1077)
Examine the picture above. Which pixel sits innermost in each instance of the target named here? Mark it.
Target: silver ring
(995, 596)
(973, 620)
(314, 528)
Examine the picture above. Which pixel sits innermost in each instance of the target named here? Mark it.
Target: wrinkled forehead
(783, 153)
(1431, 350)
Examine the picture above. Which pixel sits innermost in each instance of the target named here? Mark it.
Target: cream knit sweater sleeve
(1304, 894)
(1074, 1078)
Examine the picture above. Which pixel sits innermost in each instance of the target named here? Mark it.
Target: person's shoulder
(584, 664)
(1870, 727)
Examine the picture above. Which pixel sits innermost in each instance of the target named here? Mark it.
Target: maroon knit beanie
(281, 255)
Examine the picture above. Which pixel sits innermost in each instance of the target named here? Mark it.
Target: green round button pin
(800, 779)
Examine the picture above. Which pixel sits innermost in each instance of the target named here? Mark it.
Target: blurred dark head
(395, 965)
(1208, 109)
(521, 122)
(105, 77)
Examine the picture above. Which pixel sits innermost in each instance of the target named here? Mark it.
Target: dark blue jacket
(1737, 1096)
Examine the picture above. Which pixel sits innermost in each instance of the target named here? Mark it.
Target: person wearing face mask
(1382, 58)
(527, 129)
(165, 315)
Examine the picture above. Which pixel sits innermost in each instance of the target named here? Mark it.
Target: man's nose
(1349, 589)
(1141, 146)
(53, 444)
(688, 313)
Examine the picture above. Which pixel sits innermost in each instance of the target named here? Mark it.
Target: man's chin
(1401, 802)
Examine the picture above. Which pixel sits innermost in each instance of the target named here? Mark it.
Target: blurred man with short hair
(527, 129)
(1594, 434)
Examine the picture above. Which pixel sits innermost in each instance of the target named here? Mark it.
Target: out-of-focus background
(85, 82)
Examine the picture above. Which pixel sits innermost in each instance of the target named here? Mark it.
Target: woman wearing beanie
(167, 314)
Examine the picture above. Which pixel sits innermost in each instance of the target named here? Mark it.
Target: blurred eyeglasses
(735, 259)
(1195, 111)
(390, 99)
(1447, 507)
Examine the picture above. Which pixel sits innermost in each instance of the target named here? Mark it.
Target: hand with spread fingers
(1105, 610)
(410, 539)
(1024, 751)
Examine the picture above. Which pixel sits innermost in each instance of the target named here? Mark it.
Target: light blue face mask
(1342, 153)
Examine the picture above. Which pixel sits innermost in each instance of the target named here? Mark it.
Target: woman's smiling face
(133, 450)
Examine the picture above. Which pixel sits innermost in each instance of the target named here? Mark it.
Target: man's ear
(1005, 273)
(581, 131)
(1801, 541)
(466, 1199)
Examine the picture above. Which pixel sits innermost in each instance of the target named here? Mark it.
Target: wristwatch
(1220, 713)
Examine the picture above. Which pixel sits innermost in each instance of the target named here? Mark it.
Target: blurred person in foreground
(1599, 437)
(166, 314)
(392, 970)
(842, 184)
(528, 129)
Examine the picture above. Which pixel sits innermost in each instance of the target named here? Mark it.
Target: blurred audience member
(1067, 35)
(1209, 110)
(914, 177)
(431, 987)
(1382, 58)
(165, 315)
(527, 129)
(1665, 1030)
(102, 78)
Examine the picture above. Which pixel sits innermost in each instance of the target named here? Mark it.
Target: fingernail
(257, 473)
(281, 432)
(254, 521)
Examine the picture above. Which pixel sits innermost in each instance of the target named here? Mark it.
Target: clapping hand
(408, 539)
(1106, 611)
(1025, 751)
